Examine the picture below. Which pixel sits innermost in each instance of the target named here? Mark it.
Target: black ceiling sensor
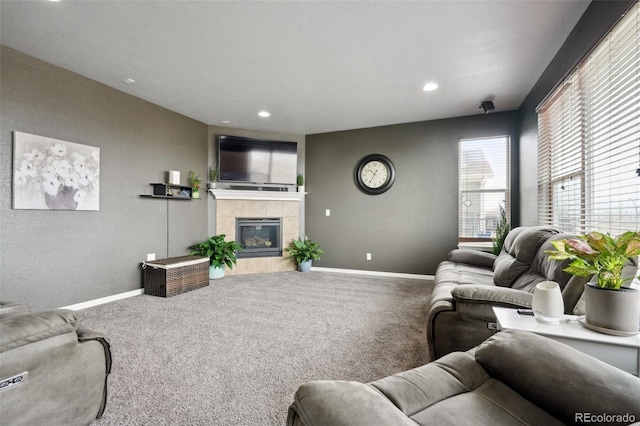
(487, 106)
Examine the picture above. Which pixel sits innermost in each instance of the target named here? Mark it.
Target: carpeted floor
(235, 352)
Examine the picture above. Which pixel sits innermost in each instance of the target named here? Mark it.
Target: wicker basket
(175, 275)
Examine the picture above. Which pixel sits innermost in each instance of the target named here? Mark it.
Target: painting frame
(52, 174)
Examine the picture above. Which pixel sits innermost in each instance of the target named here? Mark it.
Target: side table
(621, 352)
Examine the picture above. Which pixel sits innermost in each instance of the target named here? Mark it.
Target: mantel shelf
(231, 194)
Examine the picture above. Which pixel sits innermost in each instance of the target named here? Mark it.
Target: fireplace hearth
(259, 237)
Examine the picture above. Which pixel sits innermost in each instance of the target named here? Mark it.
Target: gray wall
(599, 17)
(57, 258)
(411, 227)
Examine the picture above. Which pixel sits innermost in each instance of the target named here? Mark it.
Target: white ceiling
(317, 66)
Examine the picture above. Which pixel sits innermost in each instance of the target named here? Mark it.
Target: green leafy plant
(194, 180)
(598, 254)
(213, 174)
(304, 249)
(300, 180)
(502, 229)
(219, 251)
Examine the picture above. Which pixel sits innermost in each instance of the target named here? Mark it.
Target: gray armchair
(52, 370)
(513, 378)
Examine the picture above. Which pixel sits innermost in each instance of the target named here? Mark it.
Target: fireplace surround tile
(228, 210)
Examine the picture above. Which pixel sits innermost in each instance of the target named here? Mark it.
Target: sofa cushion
(518, 252)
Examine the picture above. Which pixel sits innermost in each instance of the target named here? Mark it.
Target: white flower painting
(50, 174)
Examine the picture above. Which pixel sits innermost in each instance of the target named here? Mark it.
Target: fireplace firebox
(259, 237)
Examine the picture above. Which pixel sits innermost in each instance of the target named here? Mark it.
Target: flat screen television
(257, 161)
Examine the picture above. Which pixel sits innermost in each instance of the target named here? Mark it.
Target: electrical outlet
(328, 212)
(368, 256)
(151, 256)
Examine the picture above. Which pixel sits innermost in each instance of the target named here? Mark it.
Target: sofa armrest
(478, 301)
(340, 403)
(555, 376)
(472, 257)
(19, 330)
(9, 309)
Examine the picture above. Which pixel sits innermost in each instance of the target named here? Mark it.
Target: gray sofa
(470, 283)
(513, 378)
(52, 370)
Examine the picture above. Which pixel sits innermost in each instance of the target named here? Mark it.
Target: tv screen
(257, 160)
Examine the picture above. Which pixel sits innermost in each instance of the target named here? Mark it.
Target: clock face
(374, 174)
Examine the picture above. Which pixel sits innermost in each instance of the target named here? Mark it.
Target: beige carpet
(235, 352)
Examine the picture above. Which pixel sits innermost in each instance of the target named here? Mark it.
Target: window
(483, 176)
(589, 139)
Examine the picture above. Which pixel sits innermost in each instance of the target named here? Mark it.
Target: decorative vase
(195, 193)
(63, 200)
(547, 304)
(305, 266)
(216, 272)
(612, 311)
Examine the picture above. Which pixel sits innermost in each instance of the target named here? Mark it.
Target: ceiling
(316, 66)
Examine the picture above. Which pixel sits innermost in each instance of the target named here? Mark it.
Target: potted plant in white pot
(304, 251)
(213, 175)
(194, 182)
(300, 182)
(219, 252)
(610, 307)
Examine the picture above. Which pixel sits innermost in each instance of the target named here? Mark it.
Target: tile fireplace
(232, 205)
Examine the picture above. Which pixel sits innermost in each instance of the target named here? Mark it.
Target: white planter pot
(216, 272)
(607, 309)
(305, 266)
(301, 188)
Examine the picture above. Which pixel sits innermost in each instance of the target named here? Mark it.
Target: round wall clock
(374, 174)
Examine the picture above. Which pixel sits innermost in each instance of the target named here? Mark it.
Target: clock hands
(373, 176)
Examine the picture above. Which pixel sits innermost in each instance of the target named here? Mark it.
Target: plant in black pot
(610, 307)
(304, 251)
(219, 252)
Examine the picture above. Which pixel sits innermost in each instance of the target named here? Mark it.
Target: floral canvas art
(50, 174)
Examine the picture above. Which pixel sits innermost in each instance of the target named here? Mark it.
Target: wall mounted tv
(257, 161)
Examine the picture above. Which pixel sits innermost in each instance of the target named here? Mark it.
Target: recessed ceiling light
(429, 87)
(225, 122)
(264, 114)
(128, 81)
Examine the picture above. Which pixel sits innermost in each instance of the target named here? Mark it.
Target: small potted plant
(194, 182)
(300, 182)
(213, 175)
(304, 251)
(610, 307)
(219, 252)
(502, 229)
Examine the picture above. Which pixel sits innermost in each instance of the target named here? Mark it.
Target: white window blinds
(589, 139)
(483, 176)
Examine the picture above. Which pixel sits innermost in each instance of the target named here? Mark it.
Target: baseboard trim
(103, 300)
(376, 273)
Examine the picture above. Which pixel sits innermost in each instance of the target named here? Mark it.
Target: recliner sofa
(513, 378)
(53, 371)
(470, 283)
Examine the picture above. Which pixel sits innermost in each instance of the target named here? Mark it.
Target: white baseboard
(376, 273)
(104, 300)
